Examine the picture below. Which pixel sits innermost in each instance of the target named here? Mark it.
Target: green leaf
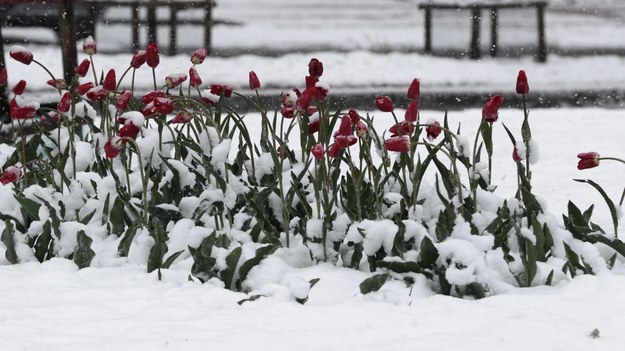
(428, 254)
(9, 242)
(43, 242)
(158, 251)
(261, 253)
(83, 253)
(401, 267)
(170, 260)
(373, 283)
(124, 245)
(445, 224)
(608, 201)
(31, 207)
(232, 260)
(529, 261)
(86, 219)
(117, 216)
(203, 262)
(311, 283)
(487, 135)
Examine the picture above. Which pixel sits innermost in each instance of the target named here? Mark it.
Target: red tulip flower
(398, 143)
(82, 89)
(65, 102)
(384, 104)
(22, 112)
(345, 128)
(414, 90)
(516, 156)
(11, 175)
(19, 88)
(198, 56)
(361, 129)
(354, 116)
(57, 83)
(221, 89)
(490, 111)
(97, 93)
(138, 59)
(254, 82)
(83, 68)
(315, 68)
(123, 99)
(334, 150)
(89, 47)
(149, 97)
(152, 57)
(522, 87)
(194, 78)
(21, 54)
(345, 141)
(317, 151)
(182, 117)
(163, 105)
(412, 112)
(110, 81)
(303, 102)
(588, 160)
(433, 130)
(402, 128)
(174, 80)
(112, 147)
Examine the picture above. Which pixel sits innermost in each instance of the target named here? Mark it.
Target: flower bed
(178, 177)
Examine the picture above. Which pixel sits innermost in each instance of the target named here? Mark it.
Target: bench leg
(208, 25)
(542, 43)
(172, 30)
(494, 22)
(93, 18)
(428, 31)
(135, 27)
(474, 49)
(67, 38)
(152, 23)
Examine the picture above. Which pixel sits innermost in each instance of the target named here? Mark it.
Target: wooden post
(542, 43)
(208, 25)
(67, 38)
(4, 99)
(474, 48)
(135, 26)
(172, 29)
(494, 23)
(428, 30)
(152, 25)
(93, 18)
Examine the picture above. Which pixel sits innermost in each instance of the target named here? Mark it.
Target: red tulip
(149, 97)
(198, 56)
(89, 47)
(306, 98)
(254, 82)
(82, 89)
(174, 80)
(65, 102)
(516, 156)
(490, 111)
(588, 160)
(152, 57)
(110, 81)
(315, 68)
(317, 151)
(23, 112)
(112, 147)
(311, 81)
(414, 90)
(398, 143)
(83, 68)
(289, 99)
(334, 150)
(163, 105)
(182, 117)
(21, 54)
(345, 141)
(288, 112)
(221, 90)
(97, 93)
(57, 83)
(138, 59)
(11, 175)
(402, 128)
(321, 91)
(128, 130)
(361, 129)
(412, 112)
(522, 87)
(19, 88)
(194, 78)
(345, 128)
(433, 130)
(3, 77)
(313, 124)
(354, 116)
(123, 99)
(384, 104)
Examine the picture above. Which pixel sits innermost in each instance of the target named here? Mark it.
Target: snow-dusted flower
(97, 93)
(89, 47)
(65, 102)
(289, 99)
(128, 130)
(82, 89)
(355, 117)
(113, 146)
(304, 100)
(152, 56)
(588, 160)
(221, 90)
(110, 81)
(345, 128)
(433, 129)
(11, 175)
(194, 78)
(361, 129)
(334, 150)
(287, 112)
(83, 68)
(384, 104)
(163, 105)
(182, 117)
(398, 143)
(254, 82)
(490, 111)
(522, 87)
(311, 81)
(175, 79)
(123, 99)
(414, 90)
(57, 83)
(345, 141)
(317, 151)
(138, 59)
(315, 68)
(26, 111)
(21, 54)
(402, 128)
(199, 56)
(321, 91)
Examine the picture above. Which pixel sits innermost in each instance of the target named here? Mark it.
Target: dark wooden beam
(4, 99)
(67, 37)
(474, 47)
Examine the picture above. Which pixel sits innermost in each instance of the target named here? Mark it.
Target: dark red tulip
(398, 143)
(490, 111)
(384, 103)
(522, 87)
(254, 82)
(588, 160)
(83, 68)
(21, 54)
(414, 90)
(152, 57)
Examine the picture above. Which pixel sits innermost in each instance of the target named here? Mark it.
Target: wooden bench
(97, 6)
(475, 9)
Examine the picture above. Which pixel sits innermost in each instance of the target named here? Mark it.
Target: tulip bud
(384, 103)
(11, 175)
(433, 130)
(97, 93)
(110, 81)
(152, 57)
(194, 78)
(334, 150)
(182, 117)
(414, 90)
(138, 59)
(123, 99)
(402, 128)
(113, 146)
(198, 56)
(174, 80)
(398, 143)
(65, 102)
(253, 81)
(21, 54)
(412, 112)
(588, 160)
(345, 128)
(221, 90)
(57, 83)
(82, 89)
(490, 111)
(317, 151)
(522, 87)
(315, 68)
(19, 88)
(83, 68)
(89, 47)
